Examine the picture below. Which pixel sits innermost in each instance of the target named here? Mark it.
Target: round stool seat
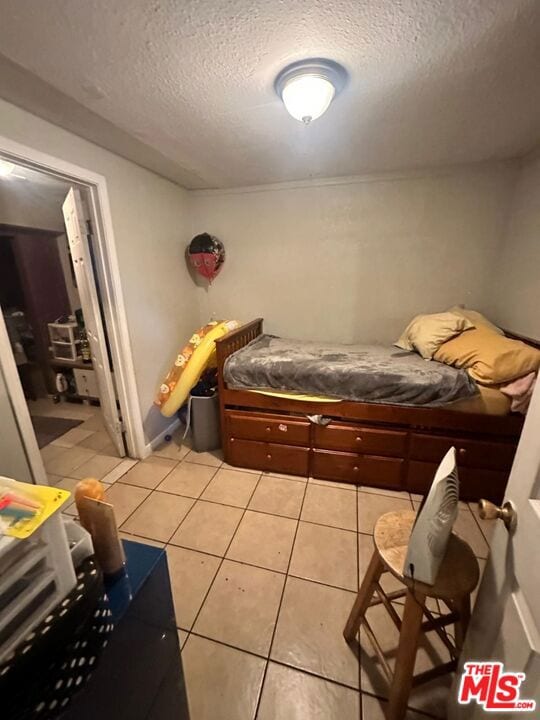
(458, 573)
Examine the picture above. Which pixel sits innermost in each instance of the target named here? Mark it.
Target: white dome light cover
(308, 87)
(6, 168)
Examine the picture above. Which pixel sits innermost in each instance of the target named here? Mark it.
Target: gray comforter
(364, 373)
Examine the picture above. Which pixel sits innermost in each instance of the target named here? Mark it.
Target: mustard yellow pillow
(475, 317)
(425, 333)
(490, 358)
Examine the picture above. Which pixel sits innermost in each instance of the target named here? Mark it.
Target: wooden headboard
(240, 337)
(233, 341)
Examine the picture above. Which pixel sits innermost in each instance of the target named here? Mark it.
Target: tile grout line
(360, 710)
(180, 643)
(222, 504)
(235, 507)
(223, 558)
(119, 479)
(319, 677)
(290, 478)
(257, 707)
(97, 455)
(422, 713)
(175, 466)
(155, 490)
(310, 673)
(479, 527)
(195, 501)
(144, 540)
(245, 509)
(215, 502)
(103, 479)
(247, 564)
(396, 494)
(133, 511)
(77, 445)
(93, 456)
(139, 505)
(226, 644)
(76, 467)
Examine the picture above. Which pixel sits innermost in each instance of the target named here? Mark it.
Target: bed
(393, 442)
(361, 373)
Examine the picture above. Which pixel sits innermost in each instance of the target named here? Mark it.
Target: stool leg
(361, 604)
(406, 655)
(463, 606)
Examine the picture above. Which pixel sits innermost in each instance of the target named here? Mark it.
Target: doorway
(50, 320)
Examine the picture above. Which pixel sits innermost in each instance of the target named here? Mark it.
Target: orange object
(90, 488)
(97, 516)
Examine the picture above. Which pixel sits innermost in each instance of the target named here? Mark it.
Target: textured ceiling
(432, 82)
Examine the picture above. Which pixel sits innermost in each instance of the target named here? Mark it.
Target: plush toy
(206, 255)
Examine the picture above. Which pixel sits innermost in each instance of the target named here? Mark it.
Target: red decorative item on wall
(206, 255)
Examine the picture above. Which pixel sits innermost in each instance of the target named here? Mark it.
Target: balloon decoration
(206, 255)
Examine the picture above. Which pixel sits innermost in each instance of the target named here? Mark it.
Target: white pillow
(426, 333)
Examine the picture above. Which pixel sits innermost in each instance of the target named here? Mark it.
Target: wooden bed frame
(384, 446)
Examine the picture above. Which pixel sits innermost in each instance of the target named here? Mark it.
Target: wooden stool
(457, 578)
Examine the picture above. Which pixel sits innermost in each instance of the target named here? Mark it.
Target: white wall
(13, 460)
(22, 204)
(151, 227)
(355, 260)
(514, 295)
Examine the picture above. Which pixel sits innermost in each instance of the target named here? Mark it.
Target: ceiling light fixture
(6, 168)
(308, 87)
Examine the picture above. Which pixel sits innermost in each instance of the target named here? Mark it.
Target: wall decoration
(206, 255)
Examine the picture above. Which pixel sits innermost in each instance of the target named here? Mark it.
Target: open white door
(78, 230)
(505, 625)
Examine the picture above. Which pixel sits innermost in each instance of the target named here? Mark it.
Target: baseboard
(156, 442)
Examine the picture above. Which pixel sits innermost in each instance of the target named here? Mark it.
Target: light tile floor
(264, 570)
(90, 435)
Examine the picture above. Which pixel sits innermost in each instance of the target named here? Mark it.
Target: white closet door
(78, 229)
(505, 625)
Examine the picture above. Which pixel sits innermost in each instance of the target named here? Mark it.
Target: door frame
(106, 261)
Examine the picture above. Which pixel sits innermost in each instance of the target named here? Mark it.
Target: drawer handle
(358, 438)
(462, 452)
(232, 439)
(283, 427)
(268, 429)
(268, 457)
(355, 468)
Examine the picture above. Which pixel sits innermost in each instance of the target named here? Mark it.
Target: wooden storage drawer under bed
(473, 482)
(286, 429)
(358, 469)
(389, 445)
(268, 456)
(469, 453)
(351, 438)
